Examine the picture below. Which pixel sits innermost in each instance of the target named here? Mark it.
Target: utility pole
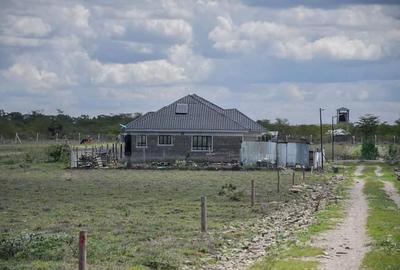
(320, 128)
(333, 140)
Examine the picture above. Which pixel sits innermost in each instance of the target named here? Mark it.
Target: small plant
(230, 191)
(369, 151)
(160, 259)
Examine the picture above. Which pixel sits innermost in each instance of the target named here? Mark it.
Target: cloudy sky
(282, 59)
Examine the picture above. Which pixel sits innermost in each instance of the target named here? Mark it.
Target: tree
(368, 124)
(281, 122)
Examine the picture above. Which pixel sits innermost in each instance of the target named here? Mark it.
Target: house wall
(225, 148)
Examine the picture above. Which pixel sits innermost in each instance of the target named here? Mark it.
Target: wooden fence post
(253, 193)
(203, 214)
(293, 178)
(79, 138)
(278, 185)
(82, 250)
(113, 151)
(77, 157)
(120, 150)
(304, 173)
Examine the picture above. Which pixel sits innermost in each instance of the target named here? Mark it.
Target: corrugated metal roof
(202, 115)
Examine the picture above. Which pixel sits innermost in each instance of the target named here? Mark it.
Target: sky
(269, 59)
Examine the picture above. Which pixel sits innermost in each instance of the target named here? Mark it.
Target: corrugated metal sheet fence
(289, 154)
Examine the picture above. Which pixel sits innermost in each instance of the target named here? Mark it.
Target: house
(190, 128)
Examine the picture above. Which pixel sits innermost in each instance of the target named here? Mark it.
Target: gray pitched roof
(202, 115)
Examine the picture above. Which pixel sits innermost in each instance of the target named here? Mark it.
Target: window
(202, 143)
(181, 108)
(164, 140)
(141, 141)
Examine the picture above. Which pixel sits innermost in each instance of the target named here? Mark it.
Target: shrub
(393, 153)
(37, 246)
(57, 153)
(369, 151)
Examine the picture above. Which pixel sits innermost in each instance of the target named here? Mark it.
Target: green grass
(383, 224)
(303, 251)
(133, 218)
(286, 264)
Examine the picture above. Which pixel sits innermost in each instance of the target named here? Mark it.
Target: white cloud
(24, 26)
(335, 47)
(113, 29)
(351, 33)
(79, 16)
(227, 38)
(20, 41)
(149, 72)
(32, 78)
(196, 67)
(174, 28)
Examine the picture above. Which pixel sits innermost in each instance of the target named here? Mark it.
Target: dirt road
(389, 188)
(346, 245)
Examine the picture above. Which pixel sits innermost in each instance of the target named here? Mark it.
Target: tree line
(365, 124)
(29, 124)
(48, 126)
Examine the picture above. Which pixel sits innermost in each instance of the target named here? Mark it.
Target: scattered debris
(397, 173)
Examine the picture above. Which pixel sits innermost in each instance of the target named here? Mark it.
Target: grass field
(383, 222)
(134, 218)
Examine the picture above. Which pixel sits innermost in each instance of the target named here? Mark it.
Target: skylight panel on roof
(181, 108)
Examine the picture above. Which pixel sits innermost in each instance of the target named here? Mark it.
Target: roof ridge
(200, 99)
(234, 109)
(140, 117)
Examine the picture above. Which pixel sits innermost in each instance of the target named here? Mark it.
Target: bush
(393, 152)
(58, 153)
(369, 151)
(36, 246)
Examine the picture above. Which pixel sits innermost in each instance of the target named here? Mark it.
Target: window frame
(137, 141)
(202, 137)
(163, 144)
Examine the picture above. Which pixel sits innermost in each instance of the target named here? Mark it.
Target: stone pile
(280, 224)
(397, 173)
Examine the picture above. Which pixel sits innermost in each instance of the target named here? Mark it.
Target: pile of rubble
(397, 173)
(279, 225)
(92, 161)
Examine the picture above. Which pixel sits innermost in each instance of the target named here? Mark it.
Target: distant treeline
(28, 125)
(382, 129)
